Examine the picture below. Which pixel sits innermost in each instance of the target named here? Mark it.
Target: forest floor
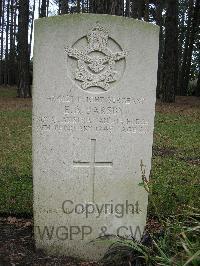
(174, 178)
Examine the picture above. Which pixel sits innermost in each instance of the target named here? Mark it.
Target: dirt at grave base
(17, 246)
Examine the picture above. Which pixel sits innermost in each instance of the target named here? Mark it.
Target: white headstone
(93, 118)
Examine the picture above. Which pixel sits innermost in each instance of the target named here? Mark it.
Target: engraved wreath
(96, 63)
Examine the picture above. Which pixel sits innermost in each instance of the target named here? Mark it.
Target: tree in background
(2, 6)
(12, 53)
(31, 29)
(170, 56)
(8, 59)
(64, 7)
(6, 71)
(159, 21)
(23, 50)
(43, 9)
(178, 41)
(197, 92)
(192, 28)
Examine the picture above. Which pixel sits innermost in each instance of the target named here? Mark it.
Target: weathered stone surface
(93, 116)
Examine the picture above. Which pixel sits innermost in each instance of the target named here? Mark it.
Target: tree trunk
(2, 36)
(197, 91)
(119, 8)
(6, 71)
(138, 7)
(64, 7)
(78, 6)
(113, 7)
(180, 45)
(85, 5)
(135, 4)
(88, 6)
(39, 6)
(170, 57)
(193, 32)
(1, 5)
(24, 76)
(146, 11)
(47, 8)
(14, 41)
(15, 21)
(11, 75)
(182, 35)
(127, 11)
(43, 9)
(182, 87)
(159, 22)
(31, 32)
(91, 6)
(98, 6)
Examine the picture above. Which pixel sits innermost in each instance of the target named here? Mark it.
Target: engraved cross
(92, 164)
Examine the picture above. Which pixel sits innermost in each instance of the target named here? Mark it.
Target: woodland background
(173, 226)
(179, 50)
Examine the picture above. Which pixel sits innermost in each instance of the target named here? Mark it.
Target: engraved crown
(97, 37)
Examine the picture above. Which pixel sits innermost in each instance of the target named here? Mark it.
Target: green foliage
(5, 92)
(178, 131)
(174, 185)
(16, 193)
(176, 244)
(175, 164)
(15, 162)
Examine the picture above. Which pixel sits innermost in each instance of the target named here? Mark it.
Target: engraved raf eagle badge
(96, 63)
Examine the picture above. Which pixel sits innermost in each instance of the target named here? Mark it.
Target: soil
(17, 246)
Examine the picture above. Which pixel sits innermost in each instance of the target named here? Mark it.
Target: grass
(180, 132)
(174, 184)
(6, 92)
(15, 162)
(176, 163)
(15, 157)
(177, 245)
(175, 171)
